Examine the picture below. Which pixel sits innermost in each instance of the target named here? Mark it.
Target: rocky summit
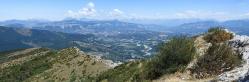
(239, 43)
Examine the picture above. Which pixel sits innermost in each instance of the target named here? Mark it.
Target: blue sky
(124, 9)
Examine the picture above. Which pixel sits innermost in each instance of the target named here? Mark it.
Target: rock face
(241, 45)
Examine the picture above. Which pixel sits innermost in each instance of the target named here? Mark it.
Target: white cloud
(203, 15)
(88, 10)
(116, 12)
(247, 14)
(90, 5)
(243, 16)
(188, 14)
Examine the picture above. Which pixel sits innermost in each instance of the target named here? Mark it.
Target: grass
(19, 73)
(4, 55)
(52, 66)
(72, 76)
(125, 72)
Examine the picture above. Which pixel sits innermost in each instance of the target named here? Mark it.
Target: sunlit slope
(43, 65)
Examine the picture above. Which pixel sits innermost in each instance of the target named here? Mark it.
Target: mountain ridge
(69, 64)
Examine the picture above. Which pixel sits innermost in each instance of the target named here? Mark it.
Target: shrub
(173, 56)
(219, 58)
(18, 73)
(217, 35)
(123, 73)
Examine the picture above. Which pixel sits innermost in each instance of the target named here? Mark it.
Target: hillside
(39, 64)
(17, 38)
(120, 47)
(217, 55)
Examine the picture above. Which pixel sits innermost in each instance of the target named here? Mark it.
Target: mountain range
(115, 26)
(112, 39)
(237, 26)
(118, 47)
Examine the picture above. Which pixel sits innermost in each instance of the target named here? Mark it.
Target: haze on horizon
(124, 9)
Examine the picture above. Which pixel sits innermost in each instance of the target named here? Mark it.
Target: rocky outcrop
(241, 45)
(201, 48)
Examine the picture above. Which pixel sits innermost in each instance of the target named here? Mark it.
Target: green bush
(219, 58)
(126, 72)
(18, 73)
(217, 35)
(173, 56)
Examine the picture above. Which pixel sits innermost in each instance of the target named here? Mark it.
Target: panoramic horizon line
(143, 19)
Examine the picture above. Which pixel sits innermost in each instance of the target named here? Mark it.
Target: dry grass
(71, 65)
(218, 35)
(21, 59)
(180, 77)
(67, 65)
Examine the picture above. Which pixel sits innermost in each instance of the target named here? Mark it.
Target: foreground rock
(241, 45)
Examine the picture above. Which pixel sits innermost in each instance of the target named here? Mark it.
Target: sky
(124, 9)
